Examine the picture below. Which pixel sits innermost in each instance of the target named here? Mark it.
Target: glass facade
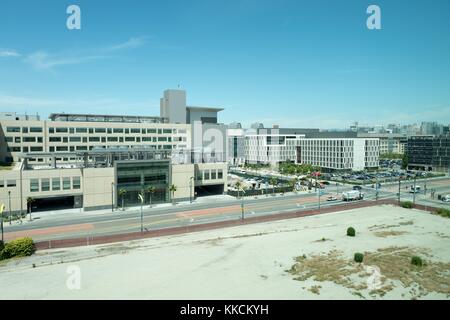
(137, 176)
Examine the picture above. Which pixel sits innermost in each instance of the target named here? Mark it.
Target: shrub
(406, 204)
(443, 212)
(417, 261)
(358, 257)
(351, 232)
(18, 248)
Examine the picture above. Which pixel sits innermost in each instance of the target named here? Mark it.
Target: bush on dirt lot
(417, 261)
(406, 204)
(358, 257)
(18, 248)
(443, 212)
(351, 232)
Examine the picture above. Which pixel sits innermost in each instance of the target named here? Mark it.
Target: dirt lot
(304, 258)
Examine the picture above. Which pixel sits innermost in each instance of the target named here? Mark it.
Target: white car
(446, 198)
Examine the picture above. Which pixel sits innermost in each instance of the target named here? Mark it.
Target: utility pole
(242, 205)
(414, 194)
(399, 186)
(319, 197)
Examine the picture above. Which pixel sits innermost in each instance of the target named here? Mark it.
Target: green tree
(172, 189)
(273, 181)
(151, 190)
(122, 193)
(405, 161)
(293, 183)
(30, 201)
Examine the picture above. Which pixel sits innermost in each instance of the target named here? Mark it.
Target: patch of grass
(395, 268)
(443, 212)
(315, 289)
(384, 234)
(406, 223)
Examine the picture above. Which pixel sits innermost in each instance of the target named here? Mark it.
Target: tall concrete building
(85, 160)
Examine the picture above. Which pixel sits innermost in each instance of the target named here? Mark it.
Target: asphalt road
(80, 225)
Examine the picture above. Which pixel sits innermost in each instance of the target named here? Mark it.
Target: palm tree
(238, 186)
(30, 200)
(151, 190)
(293, 183)
(273, 182)
(172, 189)
(122, 193)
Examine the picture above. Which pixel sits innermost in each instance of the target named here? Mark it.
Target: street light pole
(414, 191)
(141, 198)
(9, 201)
(2, 207)
(112, 196)
(399, 186)
(190, 189)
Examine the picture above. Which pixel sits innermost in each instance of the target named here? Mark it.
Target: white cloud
(8, 53)
(74, 105)
(42, 60)
(130, 44)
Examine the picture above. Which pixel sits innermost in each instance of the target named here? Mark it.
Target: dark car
(359, 188)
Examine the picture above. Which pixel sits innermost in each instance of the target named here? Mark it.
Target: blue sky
(292, 63)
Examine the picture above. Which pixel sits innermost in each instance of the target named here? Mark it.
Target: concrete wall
(180, 178)
(359, 152)
(97, 190)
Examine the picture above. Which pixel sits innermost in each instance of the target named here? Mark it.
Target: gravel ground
(245, 262)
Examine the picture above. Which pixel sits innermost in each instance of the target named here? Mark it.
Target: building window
(45, 184)
(25, 130)
(213, 174)
(206, 175)
(61, 130)
(61, 149)
(118, 130)
(56, 184)
(100, 130)
(34, 185)
(75, 139)
(94, 139)
(135, 130)
(2, 183)
(71, 130)
(81, 130)
(76, 183)
(29, 139)
(36, 149)
(54, 139)
(12, 129)
(66, 183)
(10, 183)
(36, 129)
(220, 174)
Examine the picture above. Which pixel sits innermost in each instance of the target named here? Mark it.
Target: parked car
(358, 188)
(332, 198)
(446, 198)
